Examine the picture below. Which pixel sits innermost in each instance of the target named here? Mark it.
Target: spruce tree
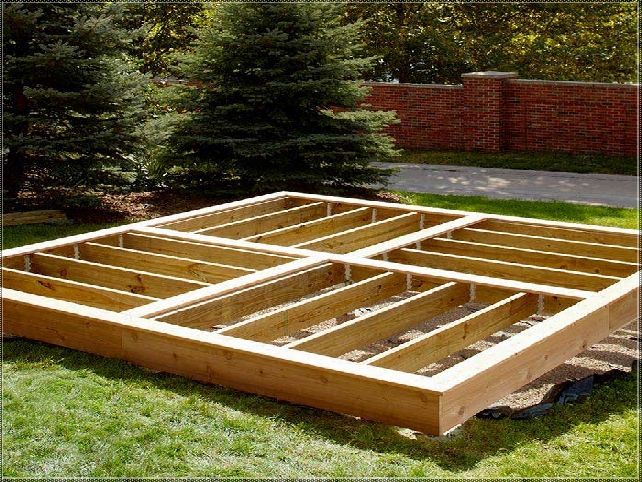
(272, 101)
(72, 101)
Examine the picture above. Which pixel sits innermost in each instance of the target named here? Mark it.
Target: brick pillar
(483, 124)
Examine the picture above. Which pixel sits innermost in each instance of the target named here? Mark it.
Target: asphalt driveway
(603, 189)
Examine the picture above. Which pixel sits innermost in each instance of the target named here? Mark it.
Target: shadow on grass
(477, 440)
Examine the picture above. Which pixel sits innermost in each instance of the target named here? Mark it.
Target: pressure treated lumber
(502, 269)
(436, 274)
(533, 257)
(456, 335)
(34, 217)
(359, 237)
(317, 228)
(229, 215)
(574, 270)
(267, 222)
(313, 380)
(60, 289)
(123, 279)
(485, 377)
(233, 306)
(587, 236)
(541, 243)
(206, 272)
(212, 291)
(385, 322)
(408, 239)
(291, 319)
(204, 252)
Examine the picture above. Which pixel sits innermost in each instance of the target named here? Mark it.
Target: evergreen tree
(72, 101)
(272, 101)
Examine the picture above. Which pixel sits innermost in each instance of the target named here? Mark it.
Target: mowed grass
(68, 413)
(544, 161)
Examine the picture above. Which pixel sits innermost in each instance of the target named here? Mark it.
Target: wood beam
(291, 319)
(305, 378)
(176, 266)
(230, 307)
(577, 248)
(68, 290)
(228, 215)
(212, 291)
(203, 252)
(562, 232)
(123, 279)
(317, 228)
(385, 322)
(267, 222)
(478, 381)
(359, 237)
(432, 273)
(533, 257)
(419, 236)
(456, 335)
(502, 269)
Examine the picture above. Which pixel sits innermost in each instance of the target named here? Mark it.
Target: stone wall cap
(490, 74)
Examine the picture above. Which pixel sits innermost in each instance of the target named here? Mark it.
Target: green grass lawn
(557, 161)
(68, 413)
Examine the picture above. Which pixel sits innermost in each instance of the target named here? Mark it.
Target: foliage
(437, 42)
(544, 161)
(272, 100)
(168, 28)
(72, 101)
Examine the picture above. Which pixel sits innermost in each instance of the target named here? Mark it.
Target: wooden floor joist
(271, 295)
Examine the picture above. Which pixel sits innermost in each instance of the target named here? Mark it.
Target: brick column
(483, 98)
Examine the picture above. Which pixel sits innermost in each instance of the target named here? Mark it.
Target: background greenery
(80, 111)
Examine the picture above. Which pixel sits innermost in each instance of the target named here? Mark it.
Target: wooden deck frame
(149, 293)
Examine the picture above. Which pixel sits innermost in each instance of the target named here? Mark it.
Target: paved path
(606, 189)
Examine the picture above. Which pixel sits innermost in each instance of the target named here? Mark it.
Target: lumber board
(359, 237)
(228, 215)
(291, 319)
(540, 243)
(243, 258)
(61, 289)
(533, 257)
(123, 279)
(176, 266)
(385, 322)
(558, 232)
(268, 222)
(502, 269)
(437, 211)
(212, 291)
(422, 235)
(34, 217)
(478, 381)
(115, 231)
(354, 261)
(456, 335)
(330, 384)
(230, 307)
(303, 259)
(317, 228)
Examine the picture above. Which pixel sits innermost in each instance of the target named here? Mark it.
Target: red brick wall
(494, 111)
(571, 116)
(431, 115)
